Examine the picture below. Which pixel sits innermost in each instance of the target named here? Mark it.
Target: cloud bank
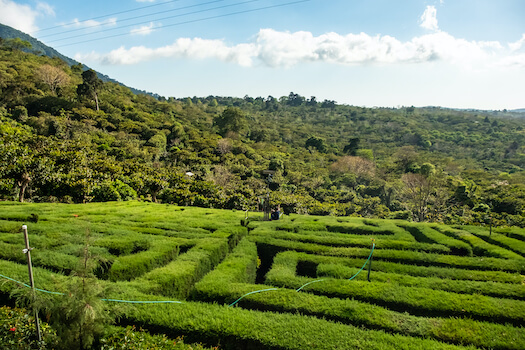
(278, 49)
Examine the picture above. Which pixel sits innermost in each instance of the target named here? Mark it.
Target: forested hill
(67, 136)
(39, 48)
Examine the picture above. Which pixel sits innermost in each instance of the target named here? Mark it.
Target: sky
(373, 53)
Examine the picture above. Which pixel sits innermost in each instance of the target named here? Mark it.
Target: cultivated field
(303, 278)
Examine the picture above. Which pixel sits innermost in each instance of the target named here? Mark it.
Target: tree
(53, 77)
(352, 147)
(316, 142)
(91, 83)
(295, 99)
(16, 44)
(425, 196)
(417, 193)
(361, 167)
(80, 316)
(231, 120)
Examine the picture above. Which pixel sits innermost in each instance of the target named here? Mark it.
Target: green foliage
(135, 265)
(420, 295)
(17, 331)
(79, 315)
(231, 120)
(130, 338)
(148, 143)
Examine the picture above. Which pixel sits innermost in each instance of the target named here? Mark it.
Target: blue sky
(384, 53)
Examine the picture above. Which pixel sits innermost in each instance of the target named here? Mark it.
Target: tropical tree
(233, 120)
(90, 85)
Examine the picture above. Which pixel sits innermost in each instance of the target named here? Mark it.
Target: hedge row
(128, 267)
(418, 271)
(498, 239)
(416, 301)
(222, 285)
(513, 232)
(124, 245)
(337, 240)
(479, 246)
(342, 269)
(240, 266)
(177, 278)
(426, 234)
(235, 328)
(402, 256)
(353, 226)
(52, 260)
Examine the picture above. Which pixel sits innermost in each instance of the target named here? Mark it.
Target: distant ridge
(40, 48)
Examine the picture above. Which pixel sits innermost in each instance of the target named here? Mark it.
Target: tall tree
(231, 120)
(91, 83)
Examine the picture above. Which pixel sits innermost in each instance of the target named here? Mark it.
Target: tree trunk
(23, 183)
(154, 196)
(96, 100)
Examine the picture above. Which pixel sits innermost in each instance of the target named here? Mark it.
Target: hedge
(274, 246)
(498, 239)
(128, 267)
(479, 246)
(417, 271)
(218, 287)
(336, 239)
(426, 234)
(177, 278)
(417, 301)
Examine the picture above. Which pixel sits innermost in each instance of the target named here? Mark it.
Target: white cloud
(515, 46)
(284, 49)
(144, 30)
(92, 23)
(273, 48)
(182, 48)
(428, 19)
(21, 17)
(45, 8)
(513, 61)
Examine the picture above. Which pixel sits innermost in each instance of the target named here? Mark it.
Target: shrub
(17, 331)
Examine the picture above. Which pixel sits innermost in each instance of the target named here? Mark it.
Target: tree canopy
(73, 138)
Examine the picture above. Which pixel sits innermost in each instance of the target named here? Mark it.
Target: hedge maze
(297, 283)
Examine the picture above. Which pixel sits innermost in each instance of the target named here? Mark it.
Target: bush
(17, 331)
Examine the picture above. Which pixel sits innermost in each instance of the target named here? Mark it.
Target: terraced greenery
(431, 286)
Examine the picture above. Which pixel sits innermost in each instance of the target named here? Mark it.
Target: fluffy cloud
(144, 30)
(22, 17)
(45, 8)
(429, 19)
(518, 44)
(284, 49)
(273, 48)
(92, 23)
(182, 48)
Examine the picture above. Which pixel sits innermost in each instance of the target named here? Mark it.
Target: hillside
(423, 164)
(40, 48)
(303, 282)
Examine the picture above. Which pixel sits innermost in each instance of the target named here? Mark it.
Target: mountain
(40, 48)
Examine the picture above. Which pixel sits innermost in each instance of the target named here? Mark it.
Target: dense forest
(69, 137)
